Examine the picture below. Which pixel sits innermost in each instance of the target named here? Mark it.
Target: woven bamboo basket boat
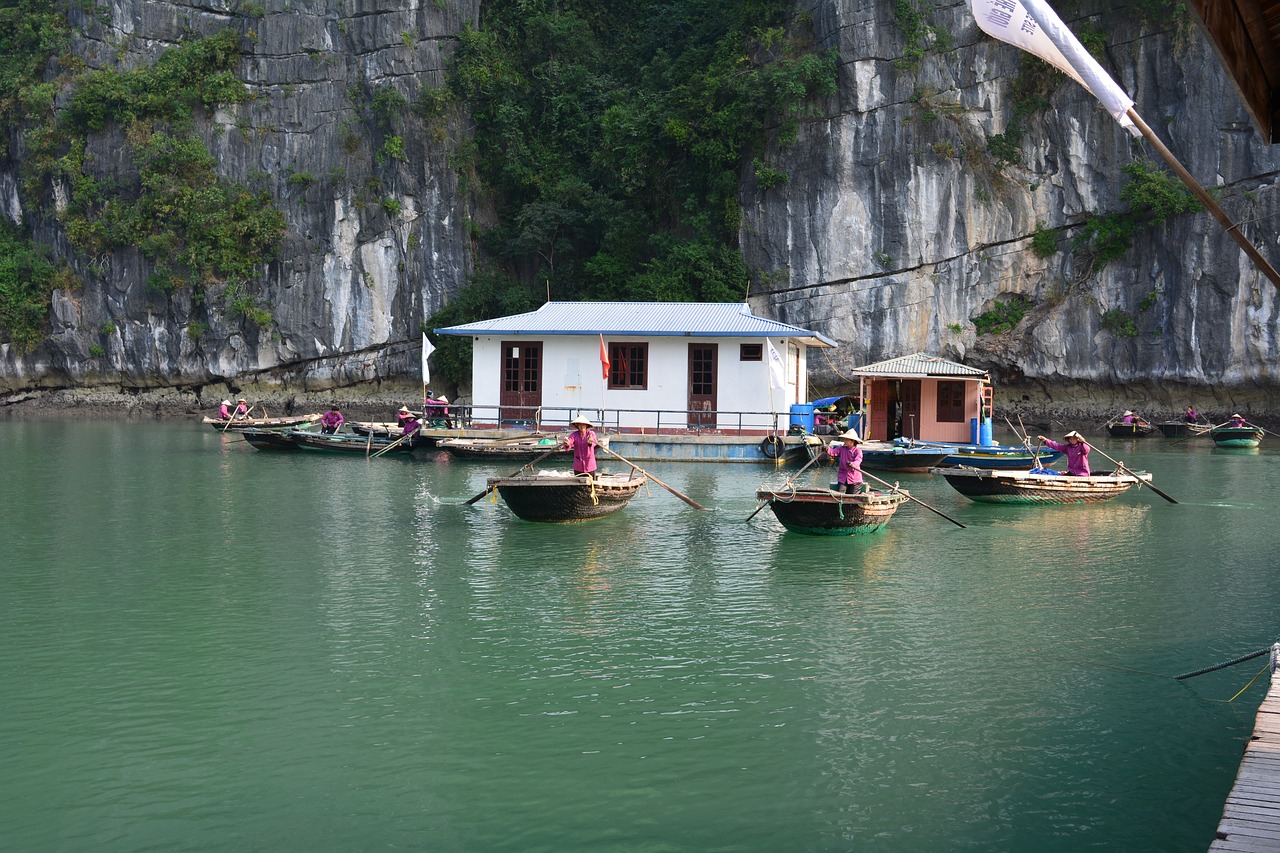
(1025, 487)
(1245, 436)
(563, 498)
(823, 512)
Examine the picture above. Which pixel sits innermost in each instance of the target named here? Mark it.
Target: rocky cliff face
(895, 228)
(373, 243)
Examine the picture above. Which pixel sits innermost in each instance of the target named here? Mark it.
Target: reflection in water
(215, 646)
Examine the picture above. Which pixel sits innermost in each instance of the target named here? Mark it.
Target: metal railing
(651, 421)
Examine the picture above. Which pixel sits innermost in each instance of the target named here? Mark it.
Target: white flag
(777, 371)
(1034, 27)
(427, 349)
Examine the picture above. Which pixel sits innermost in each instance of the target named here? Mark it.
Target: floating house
(684, 380)
(926, 398)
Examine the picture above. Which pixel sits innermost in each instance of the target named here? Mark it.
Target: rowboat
(1229, 436)
(268, 439)
(262, 423)
(825, 512)
(902, 456)
(341, 442)
(1181, 429)
(1039, 486)
(515, 448)
(996, 456)
(560, 497)
(1136, 428)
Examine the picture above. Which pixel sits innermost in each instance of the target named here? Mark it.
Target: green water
(208, 647)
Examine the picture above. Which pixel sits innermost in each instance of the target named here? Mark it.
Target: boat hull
(269, 439)
(1024, 487)
(564, 498)
(1136, 430)
(345, 443)
(995, 456)
(1181, 429)
(506, 449)
(884, 456)
(822, 512)
(262, 423)
(1237, 436)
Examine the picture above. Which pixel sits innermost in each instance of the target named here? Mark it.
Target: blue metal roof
(641, 319)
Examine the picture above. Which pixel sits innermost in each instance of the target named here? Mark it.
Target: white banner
(427, 349)
(1034, 27)
(777, 370)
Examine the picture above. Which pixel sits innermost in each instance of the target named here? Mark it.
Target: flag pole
(1207, 200)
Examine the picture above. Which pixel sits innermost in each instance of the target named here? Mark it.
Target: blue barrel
(974, 434)
(984, 433)
(802, 416)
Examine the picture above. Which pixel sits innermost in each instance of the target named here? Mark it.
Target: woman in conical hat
(848, 458)
(582, 441)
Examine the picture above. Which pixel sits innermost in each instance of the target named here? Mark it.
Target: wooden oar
(785, 485)
(913, 498)
(690, 501)
(1026, 439)
(514, 473)
(390, 446)
(1121, 467)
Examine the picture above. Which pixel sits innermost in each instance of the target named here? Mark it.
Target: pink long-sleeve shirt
(1077, 456)
(848, 463)
(584, 450)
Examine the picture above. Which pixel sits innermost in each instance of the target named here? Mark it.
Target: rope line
(1265, 667)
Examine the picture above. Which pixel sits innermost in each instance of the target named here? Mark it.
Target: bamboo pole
(1225, 221)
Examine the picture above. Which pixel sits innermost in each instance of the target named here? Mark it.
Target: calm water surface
(208, 647)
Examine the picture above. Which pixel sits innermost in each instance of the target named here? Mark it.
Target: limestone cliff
(895, 228)
(373, 244)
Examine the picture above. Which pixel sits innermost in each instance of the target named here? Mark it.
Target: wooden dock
(1251, 817)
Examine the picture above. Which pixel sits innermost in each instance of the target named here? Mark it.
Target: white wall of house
(572, 381)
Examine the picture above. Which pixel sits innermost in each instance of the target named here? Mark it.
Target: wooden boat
(995, 456)
(1229, 436)
(268, 439)
(263, 423)
(515, 448)
(1136, 428)
(901, 456)
(1034, 487)
(562, 498)
(824, 512)
(1181, 429)
(343, 442)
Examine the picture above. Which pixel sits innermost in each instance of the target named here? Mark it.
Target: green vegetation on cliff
(614, 141)
(164, 196)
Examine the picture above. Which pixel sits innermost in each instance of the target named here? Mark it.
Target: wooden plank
(1251, 814)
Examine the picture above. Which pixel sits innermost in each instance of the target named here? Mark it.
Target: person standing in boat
(582, 441)
(848, 458)
(224, 411)
(1237, 421)
(242, 409)
(1128, 417)
(1076, 450)
(331, 420)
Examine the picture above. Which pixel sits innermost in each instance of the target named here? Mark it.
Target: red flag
(604, 359)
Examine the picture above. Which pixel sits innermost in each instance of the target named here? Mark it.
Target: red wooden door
(702, 385)
(909, 394)
(521, 395)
